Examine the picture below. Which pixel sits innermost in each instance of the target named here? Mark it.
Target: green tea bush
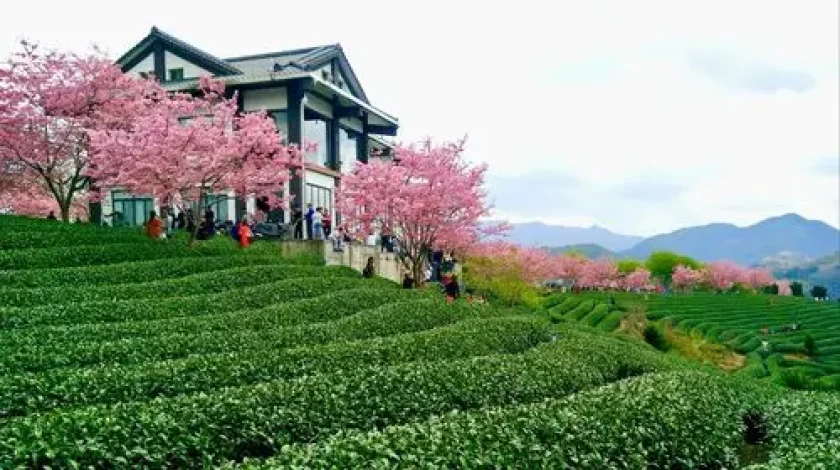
(198, 430)
(141, 271)
(199, 304)
(19, 239)
(400, 317)
(803, 431)
(89, 255)
(328, 306)
(206, 283)
(671, 420)
(29, 393)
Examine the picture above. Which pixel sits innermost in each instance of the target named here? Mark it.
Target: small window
(176, 74)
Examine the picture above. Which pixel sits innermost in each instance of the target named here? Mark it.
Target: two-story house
(312, 94)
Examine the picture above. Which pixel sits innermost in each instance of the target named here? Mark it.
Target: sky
(641, 117)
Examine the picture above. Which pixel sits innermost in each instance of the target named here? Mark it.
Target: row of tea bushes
(118, 383)
(199, 430)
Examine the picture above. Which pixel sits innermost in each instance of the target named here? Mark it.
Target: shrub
(207, 283)
(819, 292)
(29, 393)
(796, 289)
(810, 346)
(142, 271)
(673, 420)
(199, 430)
(416, 315)
(654, 337)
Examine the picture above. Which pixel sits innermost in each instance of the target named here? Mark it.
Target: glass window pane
(315, 132)
(348, 151)
(281, 121)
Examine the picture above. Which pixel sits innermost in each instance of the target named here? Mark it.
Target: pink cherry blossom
(428, 197)
(50, 102)
(638, 280)
(182, 147)
(685, 278)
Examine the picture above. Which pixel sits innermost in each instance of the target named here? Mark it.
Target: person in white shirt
(318, 224)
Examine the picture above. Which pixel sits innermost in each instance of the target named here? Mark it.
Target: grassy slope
(159, 355)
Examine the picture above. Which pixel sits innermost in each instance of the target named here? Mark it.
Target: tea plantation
(739, 322)
(121, 352)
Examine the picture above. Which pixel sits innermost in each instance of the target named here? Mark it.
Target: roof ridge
(267, 55)
(185, 45)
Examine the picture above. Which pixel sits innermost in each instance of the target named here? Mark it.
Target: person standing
(318, 224)
(52, 216)
(452, 289)
(326, 222)
(154, 226)
(369, 270)
(310, 214)
(245, 233)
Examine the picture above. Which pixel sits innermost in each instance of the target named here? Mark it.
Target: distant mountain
(746, 245)
(590, 250)
(823, 271)
(540, 234)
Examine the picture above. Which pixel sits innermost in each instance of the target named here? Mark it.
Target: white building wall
(145, 65)
(267, 98)
(191, 70)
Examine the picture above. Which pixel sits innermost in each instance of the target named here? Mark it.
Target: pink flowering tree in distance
(530, 264)
(685, 278)
(599, 274)
(50, 102)
(184, 147)
(756, 278)
(428, 197)
(722, 275)
(638, 280)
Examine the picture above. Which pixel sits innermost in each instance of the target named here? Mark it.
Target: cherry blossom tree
(599, 274)
(571, 267)
(530, 264)
(722, 275)
(638, 279)
(184, 147)
(756, 278)
(49, 104)
(685, 278)
(784, 288)
(428, 197)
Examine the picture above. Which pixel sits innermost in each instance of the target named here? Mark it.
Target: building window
(218, 203)
(316, 131)
(319, 196)
(348, 151)
(129, 209)
(176, 74)
(281, 121)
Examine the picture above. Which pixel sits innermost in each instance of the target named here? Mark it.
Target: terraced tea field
(121, 352)
(737, 321)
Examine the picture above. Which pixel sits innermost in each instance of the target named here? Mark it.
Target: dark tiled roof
(305, 59)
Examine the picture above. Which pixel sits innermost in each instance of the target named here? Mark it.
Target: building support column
(362, 150)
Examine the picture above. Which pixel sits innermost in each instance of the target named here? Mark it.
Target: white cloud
(734, 102)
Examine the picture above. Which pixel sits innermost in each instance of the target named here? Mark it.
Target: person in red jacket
(245, 233)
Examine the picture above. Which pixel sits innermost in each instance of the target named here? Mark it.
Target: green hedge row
(415, 315)
(140, 271)
(804, 432)
(324, 307)
(88, 255)
(196, 431)
(195, 284)
(672, 420)
(26, 394)
(159, 308)
(13, 239)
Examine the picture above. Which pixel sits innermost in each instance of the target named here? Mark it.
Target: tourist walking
(326, 222)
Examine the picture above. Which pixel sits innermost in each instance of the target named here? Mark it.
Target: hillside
(117, 351)
(824, 270)
(745, 245)
(590, 250)
(540, 234)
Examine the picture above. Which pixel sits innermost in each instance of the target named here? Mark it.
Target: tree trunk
(65, 210)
